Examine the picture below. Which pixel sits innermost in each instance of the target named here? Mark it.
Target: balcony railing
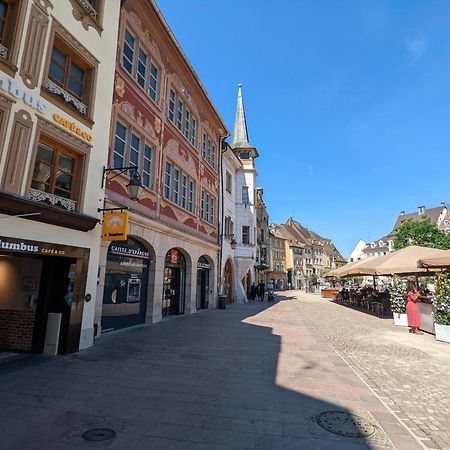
(52, 199)
(3, 52)
(69, 98)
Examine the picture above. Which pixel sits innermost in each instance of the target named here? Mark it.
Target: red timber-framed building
(164, 122)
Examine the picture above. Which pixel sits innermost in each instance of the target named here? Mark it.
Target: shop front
(173, 302)
(42, 295)
(126, 284)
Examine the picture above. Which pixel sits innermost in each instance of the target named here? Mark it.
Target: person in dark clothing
(253, 291)
(261, 290)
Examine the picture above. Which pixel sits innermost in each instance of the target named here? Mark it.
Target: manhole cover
(99, 434)
(345, 424)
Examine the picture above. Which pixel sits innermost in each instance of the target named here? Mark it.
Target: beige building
(277, 258)
(56, 78)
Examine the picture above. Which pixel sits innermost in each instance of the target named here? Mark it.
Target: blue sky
(348, 102)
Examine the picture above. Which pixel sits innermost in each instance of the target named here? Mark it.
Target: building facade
(277, 259)
(56, 78)
(262, 265)
(245, 196)
(163, 123)
(230, 283)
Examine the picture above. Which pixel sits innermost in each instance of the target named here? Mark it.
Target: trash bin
(221, 303)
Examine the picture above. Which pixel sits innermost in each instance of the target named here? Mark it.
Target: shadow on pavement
(204, 382)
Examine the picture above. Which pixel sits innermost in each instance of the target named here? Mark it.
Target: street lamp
(134, 187)
(230, 237)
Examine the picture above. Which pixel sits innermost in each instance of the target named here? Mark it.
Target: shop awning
(439, 259)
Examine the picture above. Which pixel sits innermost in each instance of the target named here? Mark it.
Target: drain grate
(99, 434)
(345, 424)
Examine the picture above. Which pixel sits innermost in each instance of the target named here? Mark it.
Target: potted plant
(441, 302)
(398, 301)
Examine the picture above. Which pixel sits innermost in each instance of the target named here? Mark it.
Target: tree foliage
(398, 295)
(442, 299)
(423, 233)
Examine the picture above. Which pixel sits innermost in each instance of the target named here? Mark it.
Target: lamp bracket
(122, 170)
(112, 209)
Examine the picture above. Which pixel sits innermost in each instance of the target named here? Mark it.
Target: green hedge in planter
(398, 295)
(441, 299)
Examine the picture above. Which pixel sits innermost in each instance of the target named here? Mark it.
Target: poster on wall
(174, 256)
(115, 227)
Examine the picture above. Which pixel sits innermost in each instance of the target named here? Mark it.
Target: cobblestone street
(409, 373)
(253, 376)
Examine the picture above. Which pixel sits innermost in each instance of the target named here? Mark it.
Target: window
(245, 198)
(245, 234)
(54, 173)
(131, 149)
(120, 143)
(228, 231)
(178, 187)
(9, 15)
(69, 73)
(4, 13)
(182, 118)
(228, 182)
(208, 150)
(138, 63)
(207, 207)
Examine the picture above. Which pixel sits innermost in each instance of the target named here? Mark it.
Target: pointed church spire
(240, 135)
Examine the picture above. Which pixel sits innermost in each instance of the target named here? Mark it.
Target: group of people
(259, 291)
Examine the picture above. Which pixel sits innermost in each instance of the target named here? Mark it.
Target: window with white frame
(209, 150)
(229, 227)
(178, 187)
(131, 149)
(245, 197)
(245, 234)
(138, 63)
(208, 207)
(182, 118)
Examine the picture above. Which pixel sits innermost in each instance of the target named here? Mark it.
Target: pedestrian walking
(253, 291)
(412, 309)
(261, 290)
(270, 289)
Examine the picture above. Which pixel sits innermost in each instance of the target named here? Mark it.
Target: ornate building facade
(163, 122)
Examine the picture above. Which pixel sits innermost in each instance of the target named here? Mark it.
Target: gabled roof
(431, 213)
(379, 245)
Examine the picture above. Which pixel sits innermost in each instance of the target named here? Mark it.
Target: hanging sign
(115, 227)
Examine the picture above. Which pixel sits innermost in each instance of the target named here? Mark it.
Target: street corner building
(57, 63)
(163, 123)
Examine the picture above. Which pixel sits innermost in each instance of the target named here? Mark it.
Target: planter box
(329, 293)
(400, 319)
(442, 332)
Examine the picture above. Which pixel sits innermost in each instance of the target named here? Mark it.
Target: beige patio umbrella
(402, 261)
(440, 259)
(343, 271)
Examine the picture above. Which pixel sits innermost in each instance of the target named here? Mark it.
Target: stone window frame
(69, 43)
(46, 130)
(89, 13)
(228, 182)
(208, 207)
(176, 99)
(14, 23)
(144, 141)
(190, 182)
(5, 111)
(140, 44)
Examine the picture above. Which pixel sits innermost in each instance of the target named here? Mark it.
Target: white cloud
(415, 47)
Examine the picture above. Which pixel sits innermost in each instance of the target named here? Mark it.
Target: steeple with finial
(240, 143)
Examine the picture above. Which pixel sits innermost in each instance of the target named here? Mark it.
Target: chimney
(421, 210)
(402, 213)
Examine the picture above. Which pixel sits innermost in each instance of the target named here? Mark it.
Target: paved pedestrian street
(253, 376)
(410, 373)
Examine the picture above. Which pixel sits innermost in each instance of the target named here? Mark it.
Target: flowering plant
(441, 300)
(398, 295)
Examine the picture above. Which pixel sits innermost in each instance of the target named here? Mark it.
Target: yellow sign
(71, 126)
(115, 227)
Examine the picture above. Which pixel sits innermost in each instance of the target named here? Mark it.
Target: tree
(423, 233)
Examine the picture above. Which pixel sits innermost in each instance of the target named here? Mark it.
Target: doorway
(174, 283)
(228, 281)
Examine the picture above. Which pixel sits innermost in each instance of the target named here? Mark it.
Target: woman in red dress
(412, 310)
